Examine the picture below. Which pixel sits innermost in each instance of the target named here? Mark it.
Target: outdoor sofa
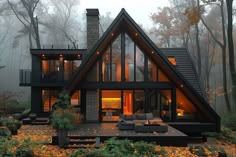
(142, 122)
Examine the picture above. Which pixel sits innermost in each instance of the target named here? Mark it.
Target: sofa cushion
(128, 117)
(140, 116)
(149, 116)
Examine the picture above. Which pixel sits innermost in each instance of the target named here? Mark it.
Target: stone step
(82, 142)
(40, 121)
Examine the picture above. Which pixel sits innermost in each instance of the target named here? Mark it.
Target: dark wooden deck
(107, 130)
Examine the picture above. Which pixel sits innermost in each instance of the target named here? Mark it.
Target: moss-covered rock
(4, 131)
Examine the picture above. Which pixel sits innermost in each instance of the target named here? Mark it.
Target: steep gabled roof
(184, 66)
(123, 22)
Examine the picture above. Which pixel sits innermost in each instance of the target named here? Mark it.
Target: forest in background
(202, 26)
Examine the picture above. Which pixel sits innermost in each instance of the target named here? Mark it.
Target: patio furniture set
(142, 123)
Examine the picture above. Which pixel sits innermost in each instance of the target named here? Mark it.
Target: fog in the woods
(173, 23)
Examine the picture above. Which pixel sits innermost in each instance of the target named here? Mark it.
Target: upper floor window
(50, 69)
(111, 62)
(70, 67)
(172, 60)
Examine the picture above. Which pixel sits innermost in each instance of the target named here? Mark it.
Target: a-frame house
(125, 72)
(122, 72)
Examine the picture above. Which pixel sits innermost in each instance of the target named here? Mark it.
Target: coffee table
(148, 128)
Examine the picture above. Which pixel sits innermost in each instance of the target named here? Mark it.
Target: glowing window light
(172, 60)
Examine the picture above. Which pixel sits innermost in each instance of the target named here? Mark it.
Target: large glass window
(111, 105)
(106, 65)
(128, 101)
(70, 67)
(49, 98)
(162, 77)
(139, 101)
(111, 62)
(116, 59)
(152, 71)
(129, 59)
(165, 100)
(185, 108)
(50, 70)
(139, 65)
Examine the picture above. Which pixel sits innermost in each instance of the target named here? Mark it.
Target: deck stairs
(40, 121)
(76, 142)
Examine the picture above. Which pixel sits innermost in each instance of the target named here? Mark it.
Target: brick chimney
(92, 27)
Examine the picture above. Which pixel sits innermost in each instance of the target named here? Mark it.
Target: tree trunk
(224, 58)
(229, 4)
(34, 22)
(199, 62)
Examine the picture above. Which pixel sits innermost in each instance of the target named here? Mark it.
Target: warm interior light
(43, 55)
(98, 52)
(152, 52)
(180, 112)
(112, 34)
(172, 60)
(60, 55)
(181, 85)
(110, 99)
(136, 34)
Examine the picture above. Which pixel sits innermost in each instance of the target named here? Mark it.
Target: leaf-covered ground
(41, 135)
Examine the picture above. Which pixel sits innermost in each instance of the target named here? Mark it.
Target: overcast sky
(139, 10)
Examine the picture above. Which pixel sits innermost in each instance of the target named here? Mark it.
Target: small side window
(172, 60)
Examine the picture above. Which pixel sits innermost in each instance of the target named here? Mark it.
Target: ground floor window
(156, 101)
(184, 107)
(111, 104)
(75, 99)
(49, 98)
(115, 102)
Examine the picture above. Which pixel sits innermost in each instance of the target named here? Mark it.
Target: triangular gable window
(136, 66)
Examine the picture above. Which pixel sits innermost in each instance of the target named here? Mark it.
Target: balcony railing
(52, 77)
(25, 77)
(28, 78)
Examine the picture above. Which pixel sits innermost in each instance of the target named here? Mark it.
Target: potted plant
(62, 121)
(62, 118)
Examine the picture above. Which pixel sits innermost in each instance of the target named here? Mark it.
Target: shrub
(25, 149)
(198, 150)
(228, 135)
(12, 124)
(62, 119)
(229, 120)
(116, 147)
(214, 150)
(63, 101)
(90, 153)
(5, 145)
(146, 149)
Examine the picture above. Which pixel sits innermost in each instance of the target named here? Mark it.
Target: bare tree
(222, 45)
(24, 10)
(61, 20)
